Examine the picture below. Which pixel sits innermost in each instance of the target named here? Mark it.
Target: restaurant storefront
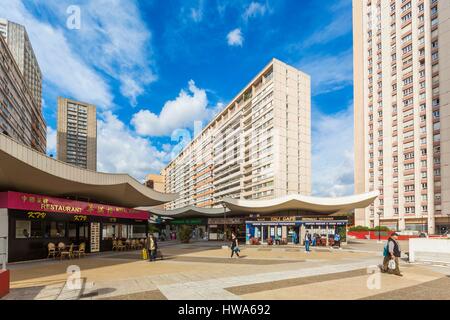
(198, 226)
(218, 226)
(34, 221)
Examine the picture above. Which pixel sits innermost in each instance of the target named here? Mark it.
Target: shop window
(28, 229)
(138, 231)
(55, 229)
(109, 231)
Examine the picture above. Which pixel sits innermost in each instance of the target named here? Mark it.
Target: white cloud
(113, 39)
(338, 27)
(51, 141)
(120, 43)
(235, 38)
(60, 65)
(332, 153)
(188, 107)
(121, 151)
(329, 72)
(340, 17)
(255, 9)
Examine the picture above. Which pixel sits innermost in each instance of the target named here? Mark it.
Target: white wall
(434, 250)
(3, 233)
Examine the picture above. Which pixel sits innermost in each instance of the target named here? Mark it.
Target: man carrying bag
(392, 253)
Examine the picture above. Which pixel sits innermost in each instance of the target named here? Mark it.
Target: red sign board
(33, 202)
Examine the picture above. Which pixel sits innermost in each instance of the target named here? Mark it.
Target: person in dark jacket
(393, 253)
(234, 245)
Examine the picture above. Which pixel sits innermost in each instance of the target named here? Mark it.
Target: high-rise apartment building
(19, 44)
(155, 182)
(402, 112)
(77, 133)
(258, 147)
(20, 117)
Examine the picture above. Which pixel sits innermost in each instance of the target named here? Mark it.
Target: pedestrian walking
(307, 241)
(337, 239)
(392, 253)
(151, 247)
(234, 245)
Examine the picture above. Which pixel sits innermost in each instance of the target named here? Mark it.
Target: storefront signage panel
(225, 221)
(188, 221)
(39, 203)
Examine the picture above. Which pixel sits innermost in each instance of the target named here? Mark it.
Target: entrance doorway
(79, 232)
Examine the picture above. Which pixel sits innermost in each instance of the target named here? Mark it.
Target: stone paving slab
(437, 289)
(252, 288)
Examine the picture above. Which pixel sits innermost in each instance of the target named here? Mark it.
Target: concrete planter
(4, 282)
(430, 250)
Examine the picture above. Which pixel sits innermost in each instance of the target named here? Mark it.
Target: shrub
(380, 228)
(185, 233)
(152, 229)
(359, 228)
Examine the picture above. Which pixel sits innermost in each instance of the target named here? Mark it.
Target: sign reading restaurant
(40, 203)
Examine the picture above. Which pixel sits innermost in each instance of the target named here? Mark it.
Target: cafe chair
(114, 245)
(61, 247)
(128, 244)
(120, 245)
(68, 253)
(141, 243)
(51, 250)
(81, 250)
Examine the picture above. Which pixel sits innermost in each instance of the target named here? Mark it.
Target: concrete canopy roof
(189, 212)
(23, 169)
(236, 207)
(300, 202)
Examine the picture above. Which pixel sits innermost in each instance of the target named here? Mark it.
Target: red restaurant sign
(33, 202)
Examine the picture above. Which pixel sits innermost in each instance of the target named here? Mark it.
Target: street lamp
(224, 220)
(379, 231)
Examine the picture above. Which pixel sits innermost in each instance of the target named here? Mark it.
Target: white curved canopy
(237, 207)
(301, 202)
(24, 169)
(189, 211)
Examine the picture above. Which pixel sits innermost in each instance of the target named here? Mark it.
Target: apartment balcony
(235, 189)
(228, 177)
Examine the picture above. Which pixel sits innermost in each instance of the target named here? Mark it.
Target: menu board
(95, 236)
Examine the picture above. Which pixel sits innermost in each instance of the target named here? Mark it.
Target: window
(54, 229)
(109, 231)
(408, 80)
(23, 229)
(407, 49)
(406, 17)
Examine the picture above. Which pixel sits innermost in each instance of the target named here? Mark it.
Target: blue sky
(155, 66)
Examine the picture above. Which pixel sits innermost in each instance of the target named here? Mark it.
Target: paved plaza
(204, 270)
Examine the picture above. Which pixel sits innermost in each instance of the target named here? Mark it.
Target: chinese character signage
(40, 204)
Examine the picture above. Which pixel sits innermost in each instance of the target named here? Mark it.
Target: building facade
(155, 182)
(402, 116)
(77, 133)
(19, 44)
(258, 147)
(20, 117)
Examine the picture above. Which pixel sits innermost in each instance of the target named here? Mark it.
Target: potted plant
(185, 233)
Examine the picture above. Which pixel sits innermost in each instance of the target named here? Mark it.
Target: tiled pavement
(196, 273)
